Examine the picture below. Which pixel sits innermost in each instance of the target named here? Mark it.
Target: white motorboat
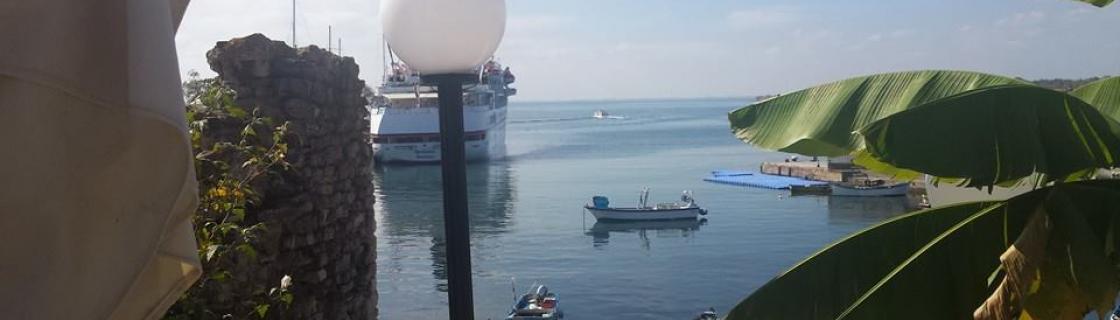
(602, 114)
(875, 188)
(537, 304)
(684, 209)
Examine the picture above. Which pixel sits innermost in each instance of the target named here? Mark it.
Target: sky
(653, 49)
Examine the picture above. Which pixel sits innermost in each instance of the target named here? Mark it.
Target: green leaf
(248, 250)
(1098, 3)
(1102, 94)
(233, 110)
(997, 135)
(261, 310)
(828, 282)
(220, 276)
(937, 263)
(819, 121)
(211, 250)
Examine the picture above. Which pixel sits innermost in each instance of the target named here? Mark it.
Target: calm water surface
(527, 223)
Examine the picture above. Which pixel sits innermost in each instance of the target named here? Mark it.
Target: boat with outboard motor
(870, 188)
(686, 208)
(537, 304)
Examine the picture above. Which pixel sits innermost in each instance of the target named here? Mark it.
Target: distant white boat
(602, 114)
(684, 209)
(870, 190)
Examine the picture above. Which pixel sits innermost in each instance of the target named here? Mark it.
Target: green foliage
(1036, 126)
(1103, 94)
(1098, 3)
(819, 121)
(987, 260)
(997, 135)
(229, 167)
(942, 263)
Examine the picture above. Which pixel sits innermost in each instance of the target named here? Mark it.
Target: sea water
(528, 225)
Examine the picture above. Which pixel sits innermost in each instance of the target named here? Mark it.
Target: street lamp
(446, 41)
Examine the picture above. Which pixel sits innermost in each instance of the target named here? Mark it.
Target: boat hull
(476, 151)
(633, 214)
(897, 190)
(412, 136)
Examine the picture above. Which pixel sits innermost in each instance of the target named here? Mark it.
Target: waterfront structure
(404, 122)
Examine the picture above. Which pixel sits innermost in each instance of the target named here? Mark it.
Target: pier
(810, 170)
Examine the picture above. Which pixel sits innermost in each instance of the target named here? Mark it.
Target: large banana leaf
(997, 135)
(943, 263)
(1098, 3)
(1102, 94)
(820, 120)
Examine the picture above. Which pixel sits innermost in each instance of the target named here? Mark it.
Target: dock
(758, 180)
(809, 170)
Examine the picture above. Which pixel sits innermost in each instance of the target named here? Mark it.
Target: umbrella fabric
(96, 177)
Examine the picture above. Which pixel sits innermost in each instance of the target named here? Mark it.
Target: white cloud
(764, 17)
(1022, 19)
(209, 21)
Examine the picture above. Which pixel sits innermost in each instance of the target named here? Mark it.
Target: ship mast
(294, 24)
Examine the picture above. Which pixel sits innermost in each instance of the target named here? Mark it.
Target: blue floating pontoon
(758, 180)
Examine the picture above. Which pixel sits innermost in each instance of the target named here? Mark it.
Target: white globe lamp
(446, 41)
(443, 36)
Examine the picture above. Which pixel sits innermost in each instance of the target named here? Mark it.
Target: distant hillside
(1064, 84)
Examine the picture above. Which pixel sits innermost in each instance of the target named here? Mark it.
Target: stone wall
(320, 212)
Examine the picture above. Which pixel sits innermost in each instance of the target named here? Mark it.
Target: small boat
(708, 315)
(602, 114)
(809, 189)
(871, 188)
(537, 304)
(684, 209)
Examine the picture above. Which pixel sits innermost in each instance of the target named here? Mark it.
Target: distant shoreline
(625, 100)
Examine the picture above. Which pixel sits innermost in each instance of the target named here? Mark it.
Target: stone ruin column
(319, 213)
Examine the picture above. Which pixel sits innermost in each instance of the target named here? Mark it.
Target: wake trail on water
(549, 120)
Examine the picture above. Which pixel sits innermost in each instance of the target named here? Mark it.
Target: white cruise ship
(404, 123)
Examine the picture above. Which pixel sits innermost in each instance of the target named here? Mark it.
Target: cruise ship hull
(429, 152)
(415, 135)
(404, 121)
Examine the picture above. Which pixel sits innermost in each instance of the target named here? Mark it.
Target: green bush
(230, 166)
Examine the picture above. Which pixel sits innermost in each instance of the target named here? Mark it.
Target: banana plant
(1098, 3)
(1047, 254)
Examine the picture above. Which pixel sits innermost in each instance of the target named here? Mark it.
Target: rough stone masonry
(323, 206)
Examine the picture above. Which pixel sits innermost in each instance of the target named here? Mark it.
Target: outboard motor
(541, 291)
(600, 202)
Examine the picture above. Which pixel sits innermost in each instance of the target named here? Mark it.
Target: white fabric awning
(96, 180)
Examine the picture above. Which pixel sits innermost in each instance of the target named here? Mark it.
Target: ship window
(408, 139)
(476, 136)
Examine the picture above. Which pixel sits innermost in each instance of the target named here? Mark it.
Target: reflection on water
(527, 222)
(864, 210)
(601, 231)
(410, 205)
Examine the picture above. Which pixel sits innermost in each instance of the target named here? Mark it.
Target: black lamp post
(446, 41)
(453, 162)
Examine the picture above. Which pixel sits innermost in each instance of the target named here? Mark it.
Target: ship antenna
(384, 61)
